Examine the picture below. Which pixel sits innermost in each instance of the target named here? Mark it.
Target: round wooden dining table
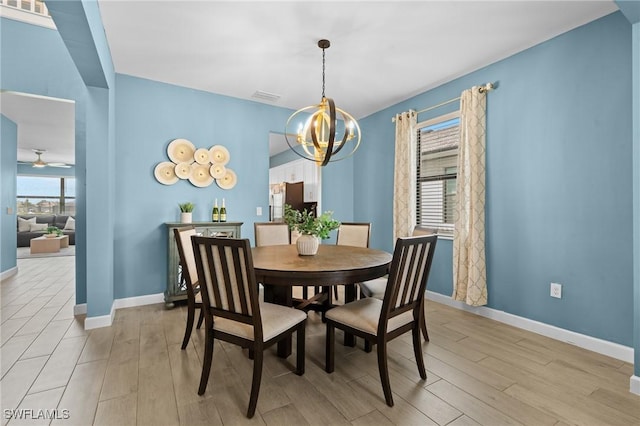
(279, 268)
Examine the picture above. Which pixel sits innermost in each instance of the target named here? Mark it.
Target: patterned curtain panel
(469, 269)
(404, 179)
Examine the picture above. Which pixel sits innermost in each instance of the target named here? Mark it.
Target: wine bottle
(223, 212)
(215, 214)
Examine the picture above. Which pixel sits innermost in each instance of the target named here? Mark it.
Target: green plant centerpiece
(311, 228)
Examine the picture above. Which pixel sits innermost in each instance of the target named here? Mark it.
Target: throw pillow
(38, 227)
(70, 225)
(25, 224)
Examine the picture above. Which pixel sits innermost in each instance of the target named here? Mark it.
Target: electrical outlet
(556, 290)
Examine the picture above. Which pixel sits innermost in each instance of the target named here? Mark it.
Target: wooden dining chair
(189, 275)
(352, 234)
(232, 311)
(379, 321)
(376, 288)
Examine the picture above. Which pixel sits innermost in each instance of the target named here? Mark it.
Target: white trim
(100, 321)
(130, 302)
(604, 347)
(8, 273)
(634, 385)
(127, 302)
(26, 16)
(80, 309)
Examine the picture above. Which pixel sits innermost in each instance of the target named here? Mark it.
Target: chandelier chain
(323, 73)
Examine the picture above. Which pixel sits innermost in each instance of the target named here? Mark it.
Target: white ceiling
(382, 52)
(43, 123)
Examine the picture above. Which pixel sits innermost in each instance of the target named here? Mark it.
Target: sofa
(24, 237)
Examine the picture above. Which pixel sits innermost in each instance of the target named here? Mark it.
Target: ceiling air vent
(265, 96)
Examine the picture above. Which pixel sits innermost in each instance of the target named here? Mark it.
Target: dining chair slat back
(377, 287)
(189, 275)
(407, 277)
(229, 278)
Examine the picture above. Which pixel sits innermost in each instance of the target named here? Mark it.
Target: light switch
(258, 211)
(9, 210)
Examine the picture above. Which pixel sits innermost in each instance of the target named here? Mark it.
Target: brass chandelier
(316, 127)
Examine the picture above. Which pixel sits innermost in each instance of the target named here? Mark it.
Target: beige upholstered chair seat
(275, 320)
(374, 288)
(364, 315)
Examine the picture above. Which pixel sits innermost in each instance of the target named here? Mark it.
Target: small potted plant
(53, 231)
(186, 212)
(312, 229)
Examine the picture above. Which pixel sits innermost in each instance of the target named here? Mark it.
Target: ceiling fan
(40, 163)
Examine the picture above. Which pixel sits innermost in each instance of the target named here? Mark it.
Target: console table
(176, 289)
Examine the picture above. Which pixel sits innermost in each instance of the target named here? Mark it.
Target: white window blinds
(436, 173)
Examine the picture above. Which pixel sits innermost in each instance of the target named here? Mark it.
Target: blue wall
(149, 115)
(559, 176)
(8, 154)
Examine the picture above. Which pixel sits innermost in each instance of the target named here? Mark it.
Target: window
(437, 165)
(46, 195)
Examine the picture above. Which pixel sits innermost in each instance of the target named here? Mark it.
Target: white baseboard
(604, 347)
(80, 309)
(100, 321)
(130, 302)
(8, 273)
(634, 385)
(127, 302)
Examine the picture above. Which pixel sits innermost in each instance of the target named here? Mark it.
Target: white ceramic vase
(307, 245)
(185, 217)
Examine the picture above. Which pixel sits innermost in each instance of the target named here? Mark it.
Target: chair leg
(187, 332)
(206, 365)
(423, 328)
(423, 322)
(368, 346)
(417, 351)
(255, 384)
(300, 335)
(335, 292)
(200, 319)
(384, 372)
(329, 361)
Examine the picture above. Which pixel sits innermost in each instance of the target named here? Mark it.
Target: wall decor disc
(165, 173)
(228, 181)
(219, 155)
(200, 176)
(201, 156)
(217, 171)
(181, 150)
(183, 170)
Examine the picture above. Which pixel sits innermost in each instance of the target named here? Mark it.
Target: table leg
(280, 295)
(349, 296)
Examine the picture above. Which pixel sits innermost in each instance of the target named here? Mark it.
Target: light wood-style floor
(479, 371)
